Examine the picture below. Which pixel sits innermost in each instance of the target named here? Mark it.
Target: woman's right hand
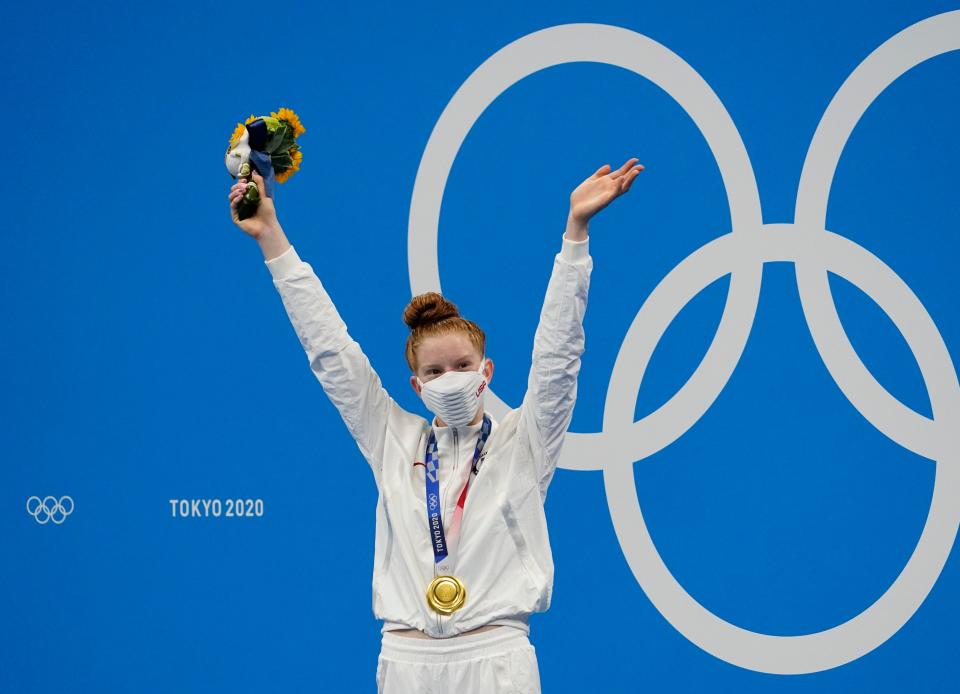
(265, 219)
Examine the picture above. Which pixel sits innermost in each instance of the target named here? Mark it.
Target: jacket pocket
(519, 540)
(388, 552)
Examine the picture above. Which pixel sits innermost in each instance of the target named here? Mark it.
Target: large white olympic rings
(741, 254)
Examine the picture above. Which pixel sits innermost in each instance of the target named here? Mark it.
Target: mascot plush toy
(267, 144)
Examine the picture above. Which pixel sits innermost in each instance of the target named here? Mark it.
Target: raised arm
(557, 346)
(334, 356)
(559, 339)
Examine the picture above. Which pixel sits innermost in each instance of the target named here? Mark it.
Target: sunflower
(292, 118)
(237, 134)
(239, 130)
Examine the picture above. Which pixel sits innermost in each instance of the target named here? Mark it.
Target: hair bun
(431, 307)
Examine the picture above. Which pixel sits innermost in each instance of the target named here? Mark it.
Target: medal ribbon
(441, 548)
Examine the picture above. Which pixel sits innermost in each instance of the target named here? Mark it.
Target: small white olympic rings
(50, 508)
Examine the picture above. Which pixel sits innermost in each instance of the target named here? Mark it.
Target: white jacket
(504, 556)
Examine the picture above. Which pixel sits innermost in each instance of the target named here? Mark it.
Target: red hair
(429, 315)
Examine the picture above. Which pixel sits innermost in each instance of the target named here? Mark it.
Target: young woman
(461, 554)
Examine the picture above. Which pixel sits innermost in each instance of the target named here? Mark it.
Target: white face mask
(455, 396)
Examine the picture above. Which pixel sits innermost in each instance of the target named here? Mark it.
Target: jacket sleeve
(557, 346)
(334, 356)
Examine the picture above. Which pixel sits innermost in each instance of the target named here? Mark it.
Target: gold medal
(446, 594)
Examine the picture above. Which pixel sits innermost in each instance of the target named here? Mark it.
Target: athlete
(461, 555)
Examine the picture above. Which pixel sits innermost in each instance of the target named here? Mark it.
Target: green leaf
(289, 138)
(276, 138)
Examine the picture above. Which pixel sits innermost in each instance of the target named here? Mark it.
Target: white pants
(498, 661)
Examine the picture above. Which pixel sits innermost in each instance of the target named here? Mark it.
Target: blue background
(146, 355)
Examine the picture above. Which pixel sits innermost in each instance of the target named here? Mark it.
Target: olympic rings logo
(740, 253)
(43, 512)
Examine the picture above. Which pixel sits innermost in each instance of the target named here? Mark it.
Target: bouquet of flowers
(268, 144)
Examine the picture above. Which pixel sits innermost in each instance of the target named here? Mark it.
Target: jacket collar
(465, 431)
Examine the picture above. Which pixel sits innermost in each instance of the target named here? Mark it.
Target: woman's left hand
(601, 189)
